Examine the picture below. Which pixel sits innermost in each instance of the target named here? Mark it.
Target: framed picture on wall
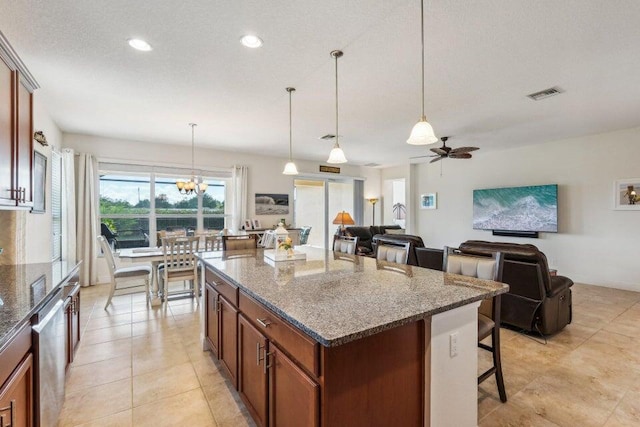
(272, 204)
(627, 194)
(256, 224)
(428, 201)
(39, 182)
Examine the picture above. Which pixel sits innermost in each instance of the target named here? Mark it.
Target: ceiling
(483, 57)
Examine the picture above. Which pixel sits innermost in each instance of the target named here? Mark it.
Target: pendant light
(336, 155)
(192, 186)
(422, 133)
(290, 168)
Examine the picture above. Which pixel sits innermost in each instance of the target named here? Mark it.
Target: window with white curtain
(137, 201)
(56, 205)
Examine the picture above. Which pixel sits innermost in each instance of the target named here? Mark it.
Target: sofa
(536, 301)
(365, 236)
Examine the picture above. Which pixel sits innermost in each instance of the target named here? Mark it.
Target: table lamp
(343, 218)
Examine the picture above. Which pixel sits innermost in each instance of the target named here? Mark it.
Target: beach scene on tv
(530, 208)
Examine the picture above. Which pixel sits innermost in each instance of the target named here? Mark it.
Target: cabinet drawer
(229, 291)
(302, 348)
(14, 351)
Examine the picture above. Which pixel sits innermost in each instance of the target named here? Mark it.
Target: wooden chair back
(234, 243)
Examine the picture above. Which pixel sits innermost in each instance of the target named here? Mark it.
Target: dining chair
(121, 278)
(396, 253)
(345, 244)
(212, 242)
(232, 243)
(179, 263)
(489, 310)
(169, 233)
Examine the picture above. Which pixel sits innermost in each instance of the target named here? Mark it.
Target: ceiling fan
(448, 152)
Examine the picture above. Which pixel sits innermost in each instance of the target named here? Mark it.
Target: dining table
(154, 256)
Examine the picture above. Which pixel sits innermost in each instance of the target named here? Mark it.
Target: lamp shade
(343, 218)
(336, 155)
(422, 134)
(290, 169)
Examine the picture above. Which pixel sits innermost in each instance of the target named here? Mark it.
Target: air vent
(537, 96)
(327, 136)
(372, 165)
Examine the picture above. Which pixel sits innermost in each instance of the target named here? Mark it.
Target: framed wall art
(272, 204)
(428, 201)
(626, 193)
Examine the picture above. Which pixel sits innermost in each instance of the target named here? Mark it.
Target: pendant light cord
(337, 142)
(290, 126)
(193, 125)
(422, 36)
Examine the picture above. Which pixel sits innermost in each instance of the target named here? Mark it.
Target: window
(134, 206)
(56, 206)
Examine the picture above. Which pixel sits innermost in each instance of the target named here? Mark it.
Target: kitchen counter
(337, 300)
(19, 300)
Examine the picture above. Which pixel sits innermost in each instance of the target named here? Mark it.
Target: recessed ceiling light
(251, 41)
(140, 45)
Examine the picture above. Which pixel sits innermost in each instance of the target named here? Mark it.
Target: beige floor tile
(96, 402)
(108, 321)
(185, 309)
(103, 351)
(223, 401)
(163, 383)
(152, 326)
(184, 409)
(121, 419)
(97, 336)
(93, 374)
(513, 415)
(153, 314)
(628, 323)
(628, 411)
(112, 310)
(155, 358)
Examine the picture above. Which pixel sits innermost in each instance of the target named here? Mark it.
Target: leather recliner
(536, 301)
(365, 236)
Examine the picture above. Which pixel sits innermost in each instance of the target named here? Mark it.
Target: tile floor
(138, 366)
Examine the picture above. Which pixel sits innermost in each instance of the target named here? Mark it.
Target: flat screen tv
(530, 208)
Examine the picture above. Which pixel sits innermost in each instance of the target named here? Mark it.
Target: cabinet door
(252, 373)
(6, 134)
(229, 338)
(24, 158)
(294, 398)
(16, 397)
(212, 329)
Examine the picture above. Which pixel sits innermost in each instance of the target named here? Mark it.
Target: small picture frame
(256, 224)
(626, 194)
(429, 201)
(248, 224)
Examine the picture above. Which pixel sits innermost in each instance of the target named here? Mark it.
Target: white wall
(595, 244)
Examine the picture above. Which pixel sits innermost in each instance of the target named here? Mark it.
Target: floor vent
(552, 91)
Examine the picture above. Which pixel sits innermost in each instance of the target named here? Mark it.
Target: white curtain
(87, 228)
(239, 196)
(68, 206)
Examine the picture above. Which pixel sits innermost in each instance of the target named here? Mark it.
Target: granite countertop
(336, 300)
(19, 300)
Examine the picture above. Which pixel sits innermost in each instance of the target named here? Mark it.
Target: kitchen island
(335, 340)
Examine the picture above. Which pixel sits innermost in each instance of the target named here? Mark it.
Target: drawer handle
(212, 283)
(266, 360)
(258, 358)
(218, 306)
(12, 415)
(264, 322)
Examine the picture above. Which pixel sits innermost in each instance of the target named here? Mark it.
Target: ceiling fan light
(336, 155)
(422, 134)
(203, 186)
(290, 169)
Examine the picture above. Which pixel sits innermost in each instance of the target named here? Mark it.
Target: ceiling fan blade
(460, 156)
(436, 159)
(439, 151)
(422, 157)
(463, 150)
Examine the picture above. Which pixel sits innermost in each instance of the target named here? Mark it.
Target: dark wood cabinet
(16, 396)
(212, 324)
(72, 320)
(229, 338)
(16, 380)
(252, 372)
(221, 324)
(294, 398)
(16, 129)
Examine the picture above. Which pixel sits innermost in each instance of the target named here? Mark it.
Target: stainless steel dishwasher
(49, 344)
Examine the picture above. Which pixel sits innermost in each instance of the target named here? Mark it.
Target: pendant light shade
(290, 168)
(336, 155)
(422, 133)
